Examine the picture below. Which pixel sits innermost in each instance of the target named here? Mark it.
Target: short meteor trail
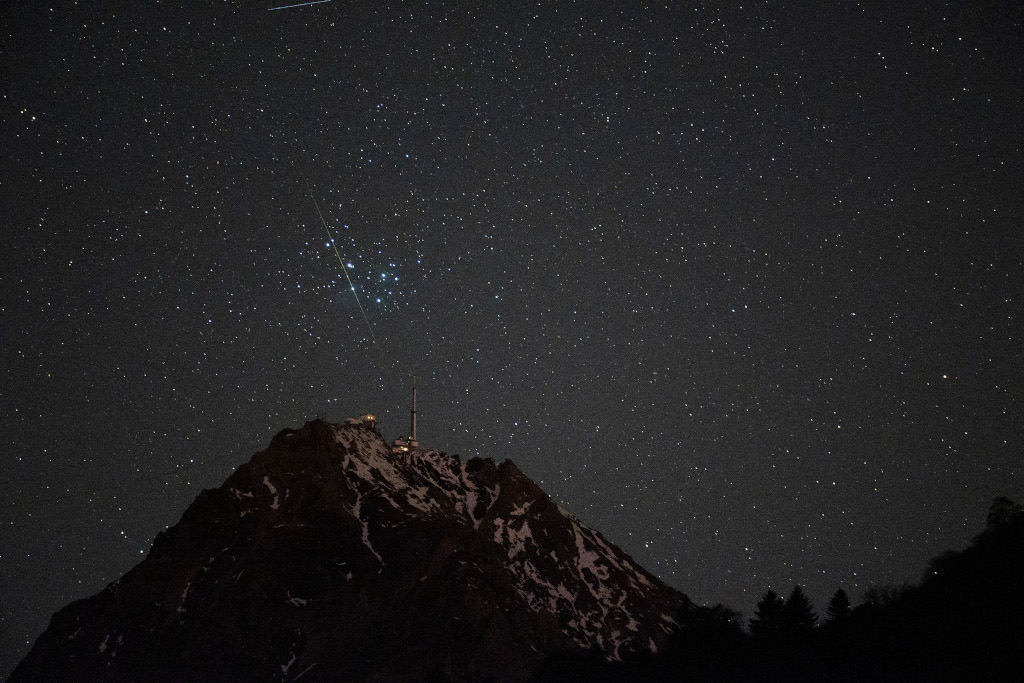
(301, 4)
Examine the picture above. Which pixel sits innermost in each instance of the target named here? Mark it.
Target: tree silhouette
(885, 595)
(797, 614)
(767, 619)
(1001, 512)
(707, 641)
(839, 606)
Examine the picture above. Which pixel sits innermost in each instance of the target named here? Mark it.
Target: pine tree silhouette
(797, 614)
(767, 619)
(839, 606)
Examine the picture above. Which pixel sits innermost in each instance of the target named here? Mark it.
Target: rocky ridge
(328, 556)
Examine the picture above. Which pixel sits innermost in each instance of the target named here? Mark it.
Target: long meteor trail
(341, 261)
(301, 4)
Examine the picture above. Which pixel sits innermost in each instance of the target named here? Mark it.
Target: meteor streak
(301, 4)
(337, 253)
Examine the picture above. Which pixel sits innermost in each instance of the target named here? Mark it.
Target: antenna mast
(410, 443)
(412, 439)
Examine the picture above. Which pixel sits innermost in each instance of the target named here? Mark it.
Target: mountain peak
(329, 555)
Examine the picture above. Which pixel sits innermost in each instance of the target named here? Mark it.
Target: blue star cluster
(739, 286)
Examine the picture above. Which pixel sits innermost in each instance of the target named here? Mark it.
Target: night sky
(741, 288)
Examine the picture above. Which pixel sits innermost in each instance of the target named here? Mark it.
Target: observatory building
(367, 420)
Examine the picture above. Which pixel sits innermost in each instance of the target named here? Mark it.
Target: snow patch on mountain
(273, 491)
(517, 538)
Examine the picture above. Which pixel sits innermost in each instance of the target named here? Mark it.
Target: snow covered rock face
(327, 557)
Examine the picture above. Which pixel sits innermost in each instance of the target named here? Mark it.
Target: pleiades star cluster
(738, 286)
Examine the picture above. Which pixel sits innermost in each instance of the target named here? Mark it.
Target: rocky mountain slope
(327, 557)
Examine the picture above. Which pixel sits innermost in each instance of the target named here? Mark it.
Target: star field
(741, 288)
